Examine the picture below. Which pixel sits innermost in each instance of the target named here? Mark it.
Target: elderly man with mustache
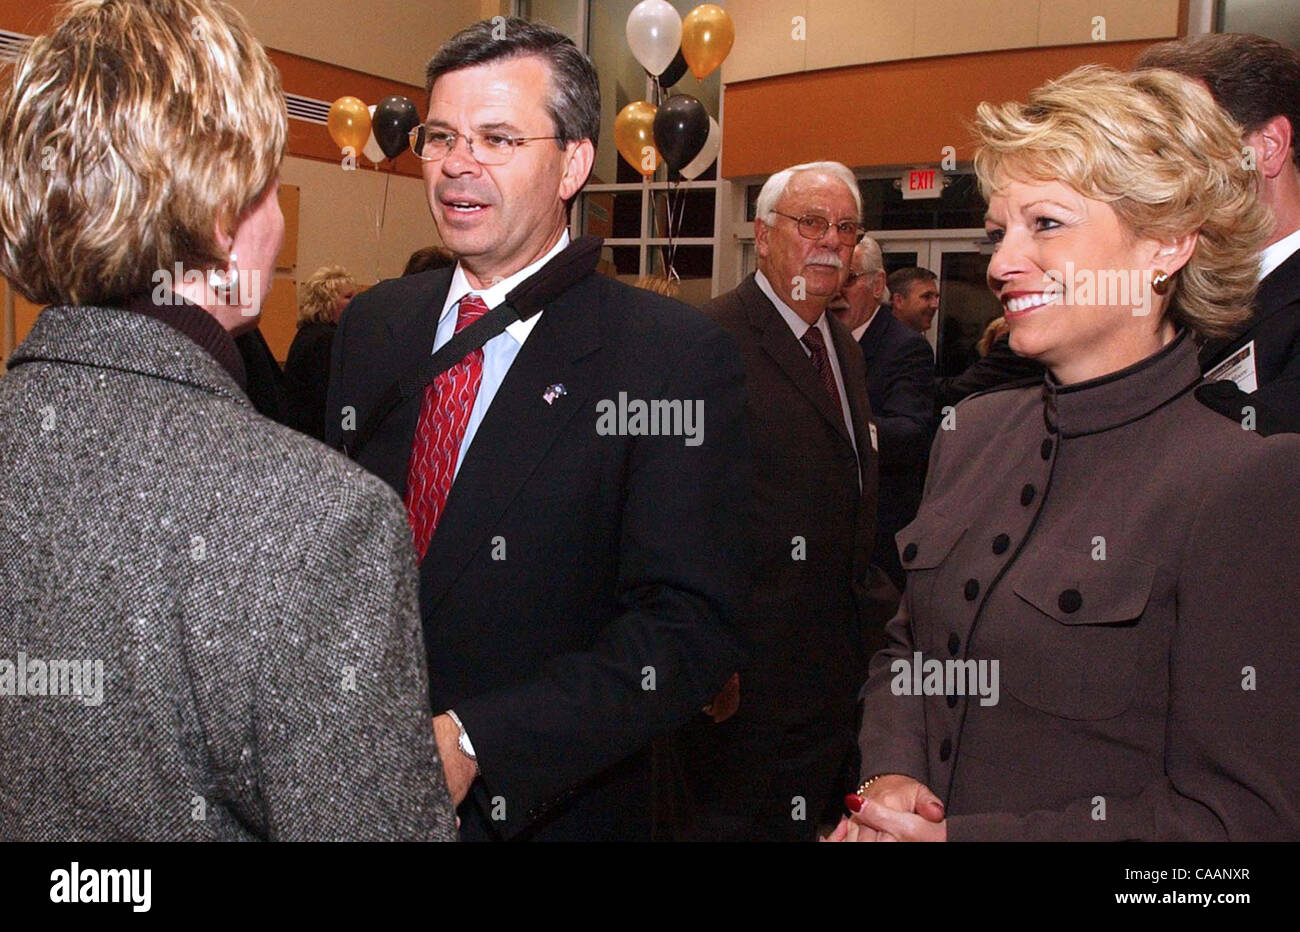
(778, 766)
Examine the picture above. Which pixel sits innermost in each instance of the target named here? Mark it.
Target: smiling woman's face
(1073, 281)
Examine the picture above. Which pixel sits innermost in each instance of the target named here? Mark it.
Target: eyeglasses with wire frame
(432, 145)
(814, 227)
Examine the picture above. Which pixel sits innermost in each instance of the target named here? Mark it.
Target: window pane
(692, 208)
(611, 215)
(694, 265)
(965, 308)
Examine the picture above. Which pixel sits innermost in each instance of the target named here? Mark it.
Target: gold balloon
(707, 37)
(349, 124)
(634, 134)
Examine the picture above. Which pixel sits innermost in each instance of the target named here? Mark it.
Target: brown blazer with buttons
(1128, 558)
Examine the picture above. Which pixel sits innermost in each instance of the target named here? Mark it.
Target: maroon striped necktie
(822, 361)
(448, 401)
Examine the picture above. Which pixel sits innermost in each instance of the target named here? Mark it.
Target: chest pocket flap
(1074, 589)
(927, 541)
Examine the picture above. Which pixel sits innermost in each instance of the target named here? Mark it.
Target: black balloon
(392, 123)
(674, 72)
(681, 129)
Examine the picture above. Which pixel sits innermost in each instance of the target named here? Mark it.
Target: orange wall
(896, 113)
(298, 75)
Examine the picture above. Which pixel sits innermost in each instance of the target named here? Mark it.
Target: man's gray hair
(868, 260)
(770, 194)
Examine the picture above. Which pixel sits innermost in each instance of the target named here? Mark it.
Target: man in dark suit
(780, 765)
(900, 386)
(581, 568)
(1257, 81)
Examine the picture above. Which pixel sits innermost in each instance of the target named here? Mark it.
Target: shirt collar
(1122, 397)
(862, 328)
(1279, 252)
(798, 326)
(493, 296)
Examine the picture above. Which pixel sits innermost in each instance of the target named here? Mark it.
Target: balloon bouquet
(380, 131)
(678, 130)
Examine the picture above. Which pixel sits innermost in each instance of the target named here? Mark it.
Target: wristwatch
(463, 741)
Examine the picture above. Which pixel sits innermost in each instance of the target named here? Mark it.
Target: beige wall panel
(764, 39)
(850, 32)
(337, 214)
(953, 27)
(1067, 22)
(391, 38)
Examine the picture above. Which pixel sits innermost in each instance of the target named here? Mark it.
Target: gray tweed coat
(249, 596)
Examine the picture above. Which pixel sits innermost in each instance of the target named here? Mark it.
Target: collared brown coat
(1129, 559)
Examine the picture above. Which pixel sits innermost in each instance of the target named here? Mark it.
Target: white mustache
(826, 258)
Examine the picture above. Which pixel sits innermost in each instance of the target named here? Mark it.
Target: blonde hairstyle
(1163, 155)
(130, 132)
(321, 293)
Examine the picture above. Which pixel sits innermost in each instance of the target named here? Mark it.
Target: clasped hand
(897, 808)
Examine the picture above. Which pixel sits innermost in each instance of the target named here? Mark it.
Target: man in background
(1257, 375)
(781, 764)
(900, 387)
(915, 293)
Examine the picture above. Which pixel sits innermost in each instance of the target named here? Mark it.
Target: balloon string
(380, 219)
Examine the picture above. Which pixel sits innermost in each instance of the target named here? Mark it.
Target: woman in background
(307, 369)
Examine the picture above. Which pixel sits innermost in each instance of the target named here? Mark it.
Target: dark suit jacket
(1001, 366)
(1275, 329)
(900, 386)
(812, 622)
(307, 378)
(580, 592)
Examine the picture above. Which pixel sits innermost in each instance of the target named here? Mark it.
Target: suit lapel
(853, 371)
(412, 328)
(515, 435)
(780, 343)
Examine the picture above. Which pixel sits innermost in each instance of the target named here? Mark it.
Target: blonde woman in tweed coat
(208, 624)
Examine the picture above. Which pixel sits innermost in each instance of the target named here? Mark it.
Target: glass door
(966, 305)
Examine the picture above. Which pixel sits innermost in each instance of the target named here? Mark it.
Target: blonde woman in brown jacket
(1098, 635)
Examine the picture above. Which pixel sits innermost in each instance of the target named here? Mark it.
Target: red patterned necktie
(448, 401)
(813, 339)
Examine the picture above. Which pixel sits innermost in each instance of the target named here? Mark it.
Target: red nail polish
(853, 802)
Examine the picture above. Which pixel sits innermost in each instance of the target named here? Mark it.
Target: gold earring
(1160, 282)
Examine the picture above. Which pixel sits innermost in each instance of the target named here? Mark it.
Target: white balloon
(654, 34)
(371, 149)
(708, 152)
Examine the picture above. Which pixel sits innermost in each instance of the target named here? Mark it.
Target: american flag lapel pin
(554, 391)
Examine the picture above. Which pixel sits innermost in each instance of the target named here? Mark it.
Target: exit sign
(921, 182)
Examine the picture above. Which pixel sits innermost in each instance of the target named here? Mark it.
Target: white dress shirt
(859, 330)
(1279, 252)
(499, 352)
(798, 326)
